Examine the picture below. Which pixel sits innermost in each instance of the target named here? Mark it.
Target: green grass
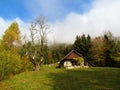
(51, 78)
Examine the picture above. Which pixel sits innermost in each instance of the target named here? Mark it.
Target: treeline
(17, 54)
(102, 50)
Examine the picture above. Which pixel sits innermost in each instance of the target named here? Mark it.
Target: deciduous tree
(11, 36)
(35, 49)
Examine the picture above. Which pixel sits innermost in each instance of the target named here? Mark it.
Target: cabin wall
(67, 64)
(86, 63)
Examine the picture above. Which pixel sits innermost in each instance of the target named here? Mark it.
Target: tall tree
(38, 44)
(97, 51)
(42, 31)
(83, 44)
(110, 50)
(116, 54)
(10, 62)
(11, 36)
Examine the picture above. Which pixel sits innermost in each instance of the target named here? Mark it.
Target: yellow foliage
(79, 60)
(11, 35)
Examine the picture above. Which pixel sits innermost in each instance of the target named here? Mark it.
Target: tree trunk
(37, 67)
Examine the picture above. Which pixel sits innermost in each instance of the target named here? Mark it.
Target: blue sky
(51, 9)
(13, 8)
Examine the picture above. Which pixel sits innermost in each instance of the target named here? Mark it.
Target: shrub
(9, 64)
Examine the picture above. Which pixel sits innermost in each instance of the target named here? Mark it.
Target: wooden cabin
(74, 58)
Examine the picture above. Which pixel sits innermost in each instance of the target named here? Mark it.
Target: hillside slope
(50, 78)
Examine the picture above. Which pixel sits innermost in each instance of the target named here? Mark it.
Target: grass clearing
(51, 78)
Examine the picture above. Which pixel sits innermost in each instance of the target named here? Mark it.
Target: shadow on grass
(84, 80)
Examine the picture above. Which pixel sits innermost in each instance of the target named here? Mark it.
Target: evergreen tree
(82, 44)
(112, 52)
(109, 52)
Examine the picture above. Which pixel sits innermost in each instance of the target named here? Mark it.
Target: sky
(67, 18)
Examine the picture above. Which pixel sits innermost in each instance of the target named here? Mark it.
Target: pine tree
(82, 44)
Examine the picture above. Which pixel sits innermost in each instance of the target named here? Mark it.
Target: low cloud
(104, 15)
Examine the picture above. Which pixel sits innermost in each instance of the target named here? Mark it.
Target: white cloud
(4, 24)
(104, 15)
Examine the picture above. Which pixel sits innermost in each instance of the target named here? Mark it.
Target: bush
(26, 64)
(9, 64)
(79, 60)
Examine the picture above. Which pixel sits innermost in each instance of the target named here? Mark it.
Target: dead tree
(38, 34)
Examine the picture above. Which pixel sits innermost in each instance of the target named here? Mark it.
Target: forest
(19, 54)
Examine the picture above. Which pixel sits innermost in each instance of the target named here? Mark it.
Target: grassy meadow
(51, 78)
